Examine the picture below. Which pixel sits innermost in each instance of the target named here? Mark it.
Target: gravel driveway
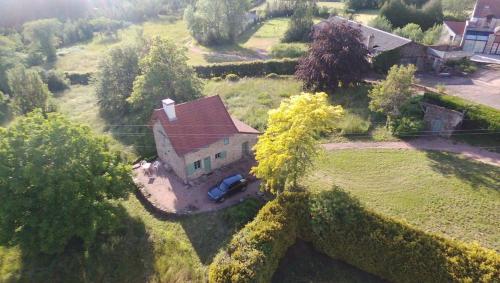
(482, 87)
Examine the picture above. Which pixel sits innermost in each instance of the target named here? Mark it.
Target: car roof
(233, 179)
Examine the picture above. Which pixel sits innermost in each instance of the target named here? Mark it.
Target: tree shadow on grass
(209, 232)
(126, 255)
(474, 173)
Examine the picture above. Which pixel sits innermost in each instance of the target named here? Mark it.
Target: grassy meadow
(435, 191)
(146, 249)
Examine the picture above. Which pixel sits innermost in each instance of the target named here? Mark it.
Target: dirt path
(438, 144)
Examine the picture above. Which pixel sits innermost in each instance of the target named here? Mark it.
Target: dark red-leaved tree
(336, 55)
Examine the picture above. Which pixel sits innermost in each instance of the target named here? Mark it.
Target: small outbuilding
(197, 137)
(441, 121)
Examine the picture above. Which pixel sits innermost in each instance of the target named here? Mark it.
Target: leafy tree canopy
(42, 36)
(57, 183)
(115, 80)
(382, 23)
(411, 31)
(300, 24)
(400, 14)
(217, 21)
(27, 90)
(388, 96)
(289, 144)
(335, 56)
(164, 74)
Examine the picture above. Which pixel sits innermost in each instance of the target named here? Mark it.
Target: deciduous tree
(164, 73)
(336, 55)
(289, 144)
(42, 36)
(388, 96)
(57, 183)
(301, 23)
(27, 90)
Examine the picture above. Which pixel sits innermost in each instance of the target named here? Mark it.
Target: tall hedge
(340, 227)
(343, 229)
(248, 69)
(476, 116)
(253, 255)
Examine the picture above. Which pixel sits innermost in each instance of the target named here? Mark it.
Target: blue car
(227, 187)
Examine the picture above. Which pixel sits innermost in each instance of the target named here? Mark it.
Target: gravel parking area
(481, 87)
(167, 191)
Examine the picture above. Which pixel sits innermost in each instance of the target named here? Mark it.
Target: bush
(383, 62)
(216, 79)
(248, 69)
(56, 81)
(288, 50)
(232, 77)
(477, 117)
(410, 122)
(462, 65)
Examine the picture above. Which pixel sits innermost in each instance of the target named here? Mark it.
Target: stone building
(197, 137)
(480, 34)
(380, 42)
(440, 120)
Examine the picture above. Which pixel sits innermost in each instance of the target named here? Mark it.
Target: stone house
(380, 42)
(200, 136)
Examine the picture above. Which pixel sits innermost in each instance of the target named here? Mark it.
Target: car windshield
(224, 187)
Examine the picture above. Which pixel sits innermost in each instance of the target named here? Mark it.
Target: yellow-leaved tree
(289, 144)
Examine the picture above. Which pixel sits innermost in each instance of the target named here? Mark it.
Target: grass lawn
(266, 35)
(251, 98)
(79, 104)
(146, 249)
(332, 5)
(365, 16)
(437, 192)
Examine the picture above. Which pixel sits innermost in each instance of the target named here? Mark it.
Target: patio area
(168, 193)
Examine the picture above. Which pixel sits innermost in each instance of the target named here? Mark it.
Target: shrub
(462, 65)
(232, 77)
(216, 79)
(382, 23)
(288, 50)
(410, 121)
(383, 62)
(56, 81)
(248, 69)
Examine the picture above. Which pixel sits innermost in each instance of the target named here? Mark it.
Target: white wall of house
(229, 153)
(167, 153)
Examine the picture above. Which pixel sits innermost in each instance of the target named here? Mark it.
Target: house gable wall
(166, 152)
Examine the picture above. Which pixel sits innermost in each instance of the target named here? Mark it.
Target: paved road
(438, 144)
(482, 87)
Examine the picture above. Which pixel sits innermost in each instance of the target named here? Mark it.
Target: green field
(437, 192)
(333, 5)
(253, 44)
(146, 249)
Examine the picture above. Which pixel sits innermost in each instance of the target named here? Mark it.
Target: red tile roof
(486, 8)
(199, 123)
(457, 27)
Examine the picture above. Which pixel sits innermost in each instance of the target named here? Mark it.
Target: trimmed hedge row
(248, 69)
(340, 227)
(476, 116)
(392, 250)
(253, 255)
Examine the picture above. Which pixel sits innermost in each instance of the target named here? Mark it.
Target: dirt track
(438, 144)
